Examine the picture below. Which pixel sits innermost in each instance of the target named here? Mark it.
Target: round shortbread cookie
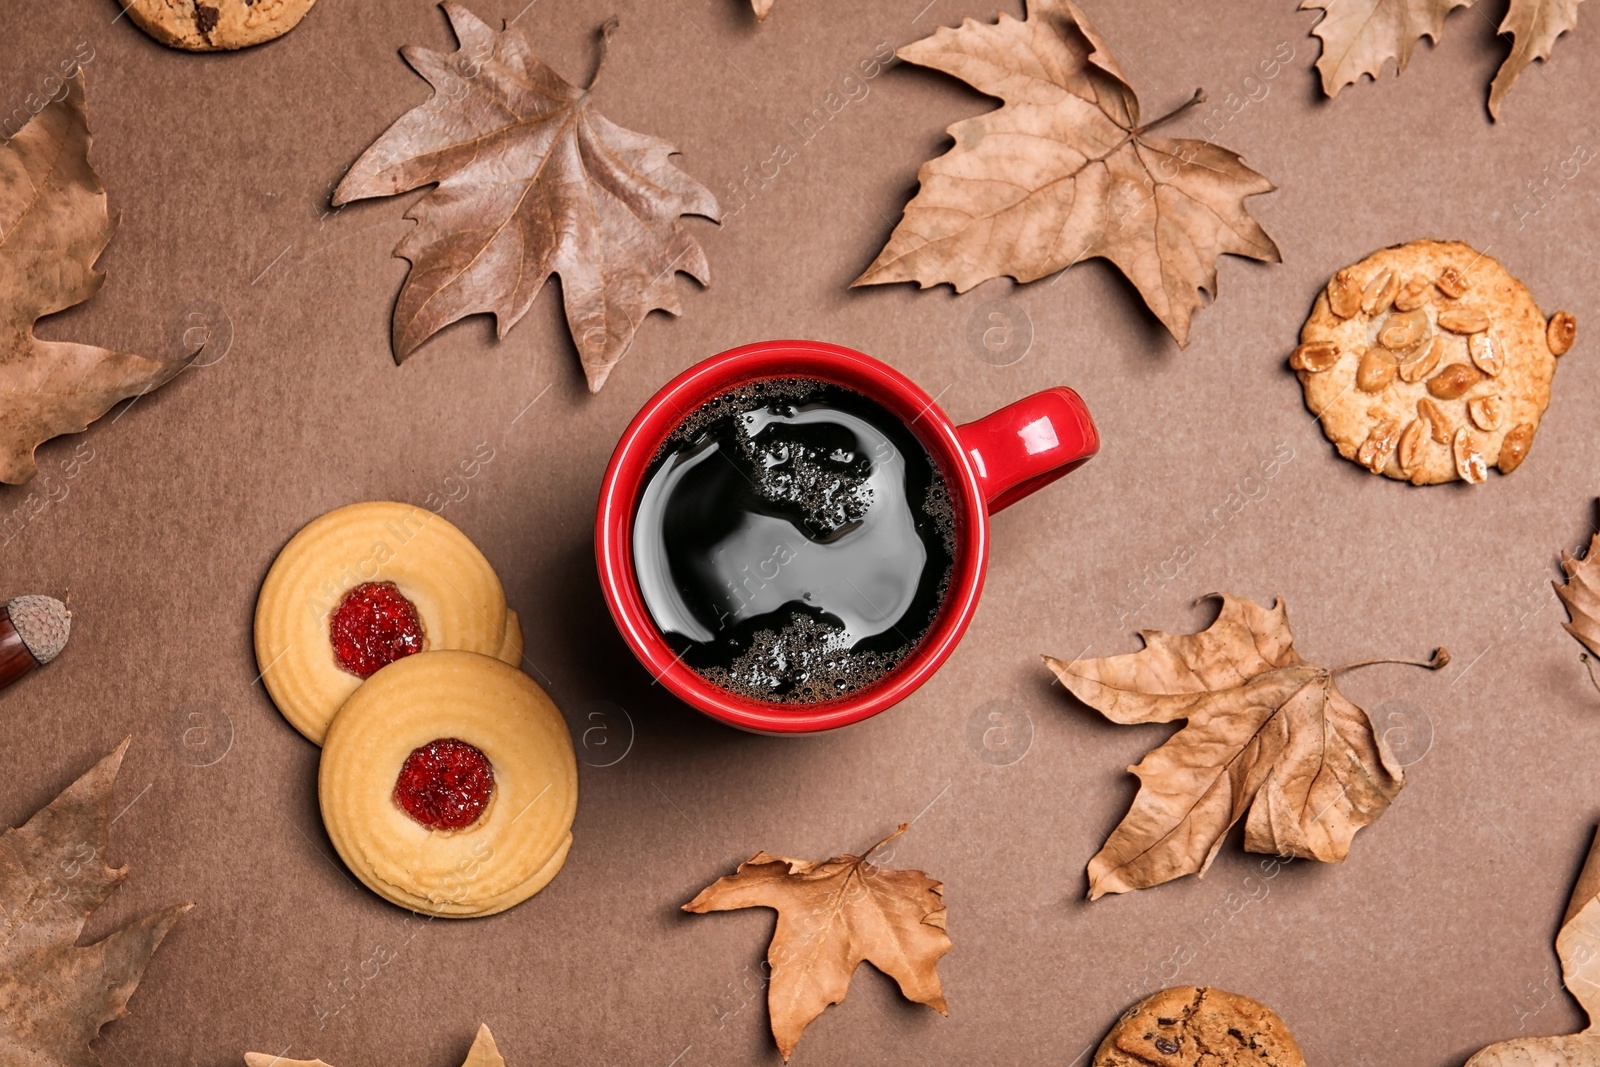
(1188, 1025)
(1427, 362)
(511, 648)
(519, 841)
(216, 25)
(455, 593)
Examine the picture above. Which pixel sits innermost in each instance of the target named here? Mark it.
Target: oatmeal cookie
(217, 25)
(1427, 362)
(1188, 1025)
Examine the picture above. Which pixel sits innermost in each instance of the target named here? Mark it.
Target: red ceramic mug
(987, 465)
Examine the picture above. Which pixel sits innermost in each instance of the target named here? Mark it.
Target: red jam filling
(445, 784)
(373, 626)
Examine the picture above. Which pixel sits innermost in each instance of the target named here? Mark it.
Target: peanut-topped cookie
(1188, 1025)
(1428, 362)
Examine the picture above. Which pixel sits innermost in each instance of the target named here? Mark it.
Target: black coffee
(794, 541)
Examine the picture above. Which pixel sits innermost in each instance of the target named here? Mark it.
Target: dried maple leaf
(1578, 946)
(53, 226)
(1534, 26)
(530, 181)
(54, 995)
(483, 1053)
(1265, 731)
(1581, 597)
(1065, 171)
(1360, 36)
(831, 916)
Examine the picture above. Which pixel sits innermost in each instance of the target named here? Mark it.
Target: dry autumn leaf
(1578, 946)
(53, 226)
(1360, 36)
(54, 995)
(1533, 26)
(831, 916)
(529, 181)
(1065, 171)
(1265, 732)
(1581, 597)
(483, 1053)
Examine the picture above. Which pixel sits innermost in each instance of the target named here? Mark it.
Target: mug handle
(1029, 444)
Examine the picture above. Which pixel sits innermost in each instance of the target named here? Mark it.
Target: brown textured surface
(1431, 941)
(1189, 1025)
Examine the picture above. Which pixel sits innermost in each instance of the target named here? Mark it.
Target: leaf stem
(1589, 663)
(1199, 97)
(606, 30)
(902, 829)
(1439, 660)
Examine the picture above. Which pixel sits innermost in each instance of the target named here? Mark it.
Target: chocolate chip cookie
(216, 25)
(1428, 362)
(1187, 1025)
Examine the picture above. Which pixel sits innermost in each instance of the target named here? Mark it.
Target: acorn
(33, 631)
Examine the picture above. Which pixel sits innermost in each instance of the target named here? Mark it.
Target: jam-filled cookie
(448, 784)
(215, 25)
(1428, 362)
(361, 587)
(1188, 1025)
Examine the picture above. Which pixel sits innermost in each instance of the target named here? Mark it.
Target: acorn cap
(43, 623)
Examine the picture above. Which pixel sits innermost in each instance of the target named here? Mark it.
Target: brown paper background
(1432, 940)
